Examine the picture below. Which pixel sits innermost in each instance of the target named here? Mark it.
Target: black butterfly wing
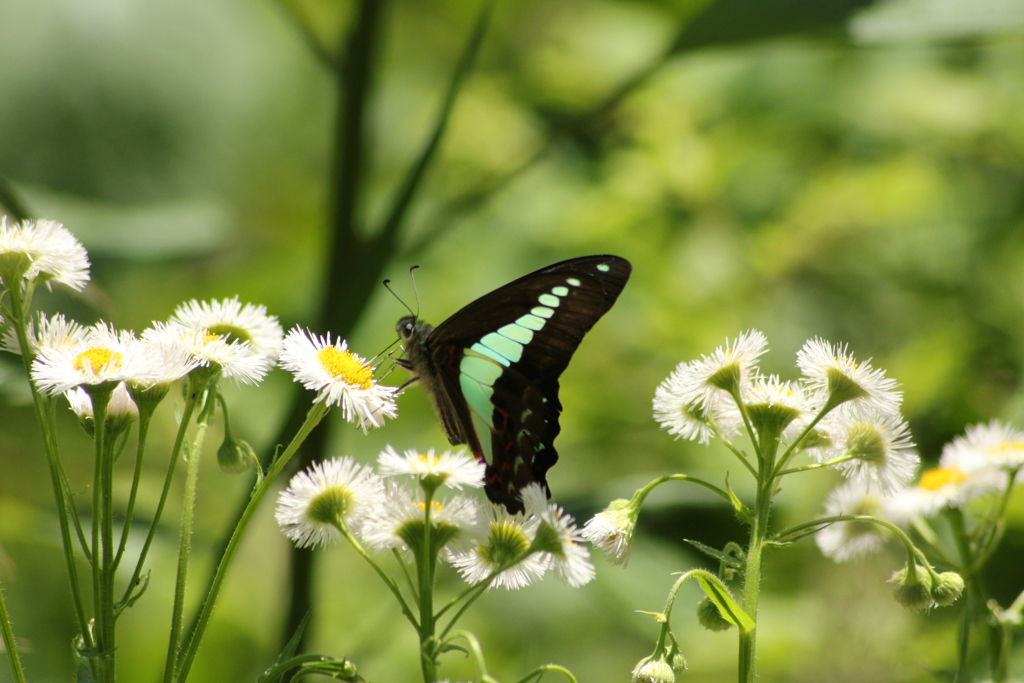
(497, 362)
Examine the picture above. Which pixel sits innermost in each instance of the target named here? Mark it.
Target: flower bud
(709, 616)
(912, 588)
(653, 671)
(612, 529)
(948, 587)
(235, 455)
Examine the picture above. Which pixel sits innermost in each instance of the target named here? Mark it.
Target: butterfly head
(413, 334)
(410, 327)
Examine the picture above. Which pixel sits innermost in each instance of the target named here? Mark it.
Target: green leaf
(727, 607)
(742, 21)
(742, 511)
(716, 554)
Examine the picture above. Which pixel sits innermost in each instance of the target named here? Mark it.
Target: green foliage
(805, 186)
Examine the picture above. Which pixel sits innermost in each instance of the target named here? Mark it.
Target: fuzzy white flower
(833, 370)
(341, 377)
(121, 404)
(501, 538)
(676, 408)
(236, 360)
(612, 530)
(944, 487)
(48, 252)
(233, 321)
(452, 469)
(772, 405)
(558, 537)
(881, 450)
(985, 445)
(49, 332)
(730, 367)
(175, 359)
(103, 355)
(400, 521)
(844, 541)
(327, 495)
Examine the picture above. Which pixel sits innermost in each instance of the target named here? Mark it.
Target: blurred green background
(844, 169)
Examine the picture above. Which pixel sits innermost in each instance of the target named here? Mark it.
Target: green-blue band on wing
(491, 353)
(543, 311)
(531, 322)
(517, 333)
(483, 369)
(549, 300)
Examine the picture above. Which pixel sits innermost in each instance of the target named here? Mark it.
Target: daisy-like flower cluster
(391, 509)
(854, 408)
(43, 251)
(841, 411)
(979, 463)
(227, 337)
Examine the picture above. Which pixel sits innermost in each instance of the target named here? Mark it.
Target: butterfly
(491, 370)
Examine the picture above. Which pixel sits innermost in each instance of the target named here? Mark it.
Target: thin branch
(305, 29)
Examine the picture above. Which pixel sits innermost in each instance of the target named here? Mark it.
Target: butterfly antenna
(387, 286)
(415, 290)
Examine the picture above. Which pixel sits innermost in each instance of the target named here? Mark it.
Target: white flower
(341, 377)
(729, 368)
(612, 530)
(944, 487)
(233, 321)
(501, 538)
(327, 495)
(676, 408)
(48, 332)
(236, 360)
(400, 521)
(453, 469)
(831, 369)
(881, 450)
(558, 536)
(121, 404)
(175, 360)
(52, 253)
(103, 355)
(985, 445)
(771, 405)
(844, 541)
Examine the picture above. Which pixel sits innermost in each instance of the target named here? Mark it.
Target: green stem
(539, 672)
(13, 658)
(752, 583)
(191, 644)
(18, 317)
(188, 506)
(641, 494)
(388, 581)
(767, 449)
(144, 419)
(179, 440)
(816, 466)
(103, 531)
(424, 572)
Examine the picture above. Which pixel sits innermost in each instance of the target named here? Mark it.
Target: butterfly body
(491, 370)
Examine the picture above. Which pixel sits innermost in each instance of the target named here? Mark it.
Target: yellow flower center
(210, 337)
(345, 365)
(428, 459)
(940, 477)
(94, 359)
(435, 506)
(1006, 448)
(230, 333)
